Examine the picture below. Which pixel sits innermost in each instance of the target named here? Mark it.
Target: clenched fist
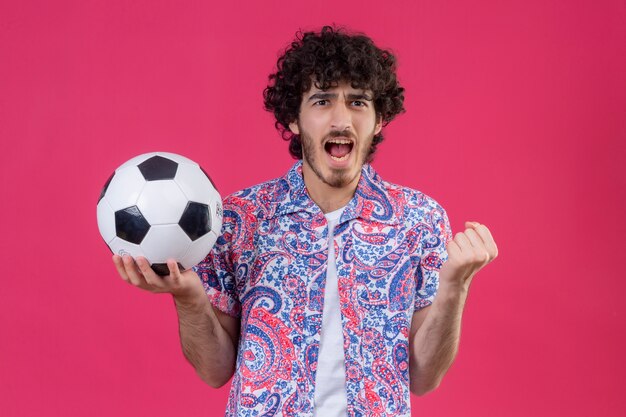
(468, 253)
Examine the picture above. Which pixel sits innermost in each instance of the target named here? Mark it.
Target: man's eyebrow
(360, 96)
(322, 96)
(351, 96)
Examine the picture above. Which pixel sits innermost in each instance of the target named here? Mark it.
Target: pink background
(515, 118)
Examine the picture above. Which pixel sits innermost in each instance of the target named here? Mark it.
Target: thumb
(174, 268)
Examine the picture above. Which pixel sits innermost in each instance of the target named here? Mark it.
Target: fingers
(472, 246)
(478, 246)
(119, 265)
(132, 271)
(472, 224)
(150, 277)
(174, 271)
(175, 283)
(465, 245)
(468, 252)
(486, 237)
(139, 273)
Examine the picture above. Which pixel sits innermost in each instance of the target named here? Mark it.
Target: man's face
(336, 127)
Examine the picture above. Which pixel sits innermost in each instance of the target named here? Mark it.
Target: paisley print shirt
(268, 268)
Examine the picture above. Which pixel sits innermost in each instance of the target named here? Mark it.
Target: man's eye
(321, 102)
(358, 103)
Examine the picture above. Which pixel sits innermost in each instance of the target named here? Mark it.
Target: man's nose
(341, 117)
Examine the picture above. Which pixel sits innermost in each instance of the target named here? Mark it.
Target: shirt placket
(350, 312)
(313, 317)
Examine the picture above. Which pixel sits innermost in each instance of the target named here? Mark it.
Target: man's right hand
(182, 285)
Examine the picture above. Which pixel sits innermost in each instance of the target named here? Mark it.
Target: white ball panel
(194, 184)
(125, 188)
(106, 220)
(162, 202)
(198, 250)
(217, 214)
(178, 158)
(122, 247)
(164, 242)
(136, 160)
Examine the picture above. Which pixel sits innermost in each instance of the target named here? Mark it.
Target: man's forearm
(206, 345)
(436, 342)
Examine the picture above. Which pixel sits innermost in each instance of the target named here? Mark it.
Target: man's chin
(328, 173)
(338, 178)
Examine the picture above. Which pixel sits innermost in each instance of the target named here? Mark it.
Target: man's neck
(328, 198)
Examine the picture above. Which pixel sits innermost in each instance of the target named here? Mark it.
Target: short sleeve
(435, 236)
(217, 272)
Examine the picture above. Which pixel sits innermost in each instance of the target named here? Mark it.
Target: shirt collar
(371, 202)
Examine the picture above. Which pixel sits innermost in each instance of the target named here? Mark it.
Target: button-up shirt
(268, 268)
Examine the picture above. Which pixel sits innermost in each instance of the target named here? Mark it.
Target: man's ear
(293, 126)
(379, 124)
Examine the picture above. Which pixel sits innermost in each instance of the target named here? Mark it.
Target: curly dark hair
(329, 57)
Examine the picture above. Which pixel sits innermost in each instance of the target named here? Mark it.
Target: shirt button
(315, 286)
(310, 340)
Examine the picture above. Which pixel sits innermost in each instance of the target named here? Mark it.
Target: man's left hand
(468, 253)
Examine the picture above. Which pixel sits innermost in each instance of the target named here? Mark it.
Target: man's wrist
(453, 291)
(191, 301)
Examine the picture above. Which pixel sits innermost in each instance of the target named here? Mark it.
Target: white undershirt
(330, 381)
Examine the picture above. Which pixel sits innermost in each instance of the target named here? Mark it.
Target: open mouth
(339, 149)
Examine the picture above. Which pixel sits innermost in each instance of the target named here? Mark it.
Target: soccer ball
(160, 205)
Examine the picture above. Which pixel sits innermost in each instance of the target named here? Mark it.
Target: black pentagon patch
(158, 168)
(196, 220)
(163, 270)
(130, 225)
(106, 186)
(212, 183)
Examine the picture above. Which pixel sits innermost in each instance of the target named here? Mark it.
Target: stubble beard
(338, 178)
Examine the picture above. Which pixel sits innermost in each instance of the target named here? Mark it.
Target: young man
(319, 297)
